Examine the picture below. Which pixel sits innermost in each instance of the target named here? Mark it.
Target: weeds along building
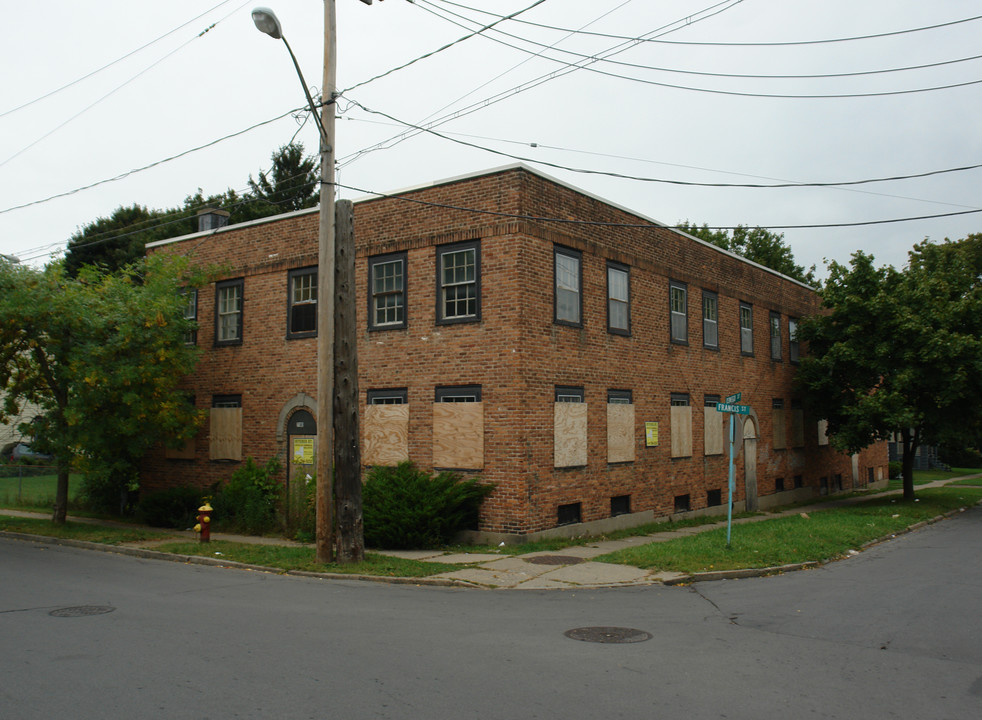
(513, 327)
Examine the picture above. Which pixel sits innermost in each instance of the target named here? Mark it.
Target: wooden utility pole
(347, 455)
(325, 544)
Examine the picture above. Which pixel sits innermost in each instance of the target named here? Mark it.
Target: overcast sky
(656, 110)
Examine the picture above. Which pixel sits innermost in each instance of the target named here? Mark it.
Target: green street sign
(733, 398)
(731, 408)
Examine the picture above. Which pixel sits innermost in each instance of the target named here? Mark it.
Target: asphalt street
(894, 632)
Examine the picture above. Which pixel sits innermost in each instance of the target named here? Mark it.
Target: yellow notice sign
(303, 451)
(651, 434)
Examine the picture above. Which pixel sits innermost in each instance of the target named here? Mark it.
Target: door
(750, 464)
(301, 460)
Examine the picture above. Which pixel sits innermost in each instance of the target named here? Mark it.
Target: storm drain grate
(82, 610)
(554, 560)
(608, 634)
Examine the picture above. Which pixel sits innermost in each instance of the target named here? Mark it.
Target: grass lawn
(108, 534)
(34, 493)
(822, 535)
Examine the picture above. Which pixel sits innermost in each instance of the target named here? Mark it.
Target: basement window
(569, 514)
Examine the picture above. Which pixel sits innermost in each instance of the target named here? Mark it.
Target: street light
(267, 22)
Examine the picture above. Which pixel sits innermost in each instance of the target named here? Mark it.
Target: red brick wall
(516, 352)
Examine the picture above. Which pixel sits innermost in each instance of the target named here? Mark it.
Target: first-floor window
(460, 393)
(391, 396)
(226, 427)
(681, 425)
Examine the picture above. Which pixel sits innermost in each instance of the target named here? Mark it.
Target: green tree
(102, 355)
(756, 244)
(118, 240)
(290, 184)
(899, 352)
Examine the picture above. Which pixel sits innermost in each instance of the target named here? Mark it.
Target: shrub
(299, 513)
(174, 507)
(248, 502)
(404, 507)
(895, 469)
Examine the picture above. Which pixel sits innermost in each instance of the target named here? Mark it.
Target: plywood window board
(458, 435)
(620, 433)
(226, 434)
(569, 432)
(385, 434)
(681, 420)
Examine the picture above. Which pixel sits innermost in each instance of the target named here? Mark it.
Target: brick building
(511, 326)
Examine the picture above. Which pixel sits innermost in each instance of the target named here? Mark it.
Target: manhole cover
(554, 560)
(82, 610)
(608, 634)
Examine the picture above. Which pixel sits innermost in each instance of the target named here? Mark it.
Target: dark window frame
(457, 393)
(794, 346)
(441, 252)
(749, 329)
(233, 400)
(611, 300)
(673, 286)
(292, 334)
(191, 336)
(777, 352)
(576, 255)
(219, 287)
(620, 397)
(679, 399)
(714, 296)
(568, 392)
(375, 261)
(387, 396)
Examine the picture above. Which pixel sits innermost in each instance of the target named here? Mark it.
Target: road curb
(232, 564)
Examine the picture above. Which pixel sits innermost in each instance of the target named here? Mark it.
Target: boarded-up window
(569, 433)
(797, 424)
(225, 437)
(713, 422)
(777, 419)
(458, 428)
(681, 425)
(823, 432)
(620, 426)
(385, 434)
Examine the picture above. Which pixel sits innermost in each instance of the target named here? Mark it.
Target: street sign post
(731, 407)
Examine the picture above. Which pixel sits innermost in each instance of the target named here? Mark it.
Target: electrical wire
(744, 76)
(641, 178)
(704, 14)
(600, 223)
(724, 44)
(812, 96)
(116, 61)
(118, 88)
(134, 171)
(448, 45)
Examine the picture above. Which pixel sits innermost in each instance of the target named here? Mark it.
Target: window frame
(388, 258)
(457, 393)
(569, 394)
(387, 396)
(675, 287)
(616, 267)
(620, 397)
(746, 332)
(777, 354)
(794, 346)
(220, 287)
(292, 275)
(441, 252)
(191, 336)
(571, 254)
(714, 296)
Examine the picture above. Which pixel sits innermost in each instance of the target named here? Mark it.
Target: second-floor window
(710, 319)
(459, 283)
(228, 312)
(793, 349)
(191, 313)
(679, 314)
(387, 299)
(746, 329)
(775, 323)
(618, 299)
(302, 289)
(568, 281)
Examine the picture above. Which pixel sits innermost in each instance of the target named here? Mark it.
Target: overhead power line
(725, 44)
(601, 223)
(641, 178)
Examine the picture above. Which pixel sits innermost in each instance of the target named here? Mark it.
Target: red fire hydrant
(204, 522)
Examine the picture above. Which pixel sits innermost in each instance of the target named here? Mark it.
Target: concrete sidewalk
(571, 567)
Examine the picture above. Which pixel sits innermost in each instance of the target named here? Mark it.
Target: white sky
(204, 88)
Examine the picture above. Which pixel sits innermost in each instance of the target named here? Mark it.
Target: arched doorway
(301, 433)
(750, 463)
